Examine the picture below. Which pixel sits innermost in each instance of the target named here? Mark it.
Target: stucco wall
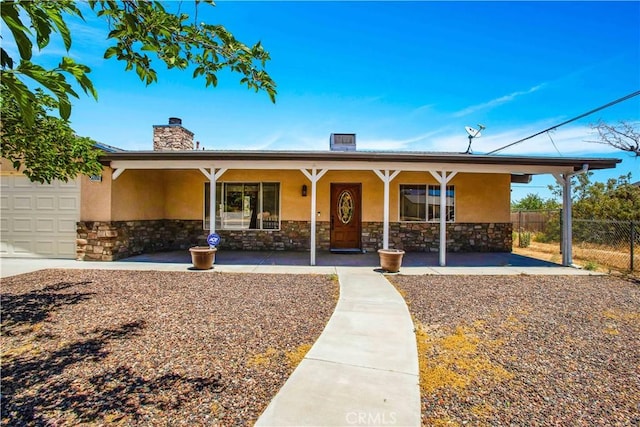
(183, 194)
(483, 197)
(96, 198)
(138, 195)
(179, 194)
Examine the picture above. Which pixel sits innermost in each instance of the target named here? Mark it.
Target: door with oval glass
(346, 217)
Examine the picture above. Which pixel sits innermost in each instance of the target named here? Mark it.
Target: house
(342, 200)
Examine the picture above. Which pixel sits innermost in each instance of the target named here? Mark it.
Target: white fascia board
(334, 165)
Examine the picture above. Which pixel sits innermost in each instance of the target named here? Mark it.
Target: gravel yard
(527, 350)
(153, 348)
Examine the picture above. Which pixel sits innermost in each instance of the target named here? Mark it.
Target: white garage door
(38, 220)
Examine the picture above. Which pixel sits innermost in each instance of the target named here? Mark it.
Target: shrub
(591, 266)
(524, 239)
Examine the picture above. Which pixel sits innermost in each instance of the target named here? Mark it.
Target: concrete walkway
(363, 370)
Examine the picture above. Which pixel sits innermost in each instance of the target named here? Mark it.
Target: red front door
(346, 223)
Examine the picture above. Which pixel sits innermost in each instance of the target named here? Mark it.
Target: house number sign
(345, 207)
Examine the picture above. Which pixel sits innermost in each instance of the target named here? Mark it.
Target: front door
(346, 217)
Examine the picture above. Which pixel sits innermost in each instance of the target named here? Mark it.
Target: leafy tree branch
(142, 32)
(44, 18)
(616, 199)
(139, 28)
(48, 150)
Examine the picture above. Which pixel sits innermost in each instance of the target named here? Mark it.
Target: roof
(378, 159)
(107, 148)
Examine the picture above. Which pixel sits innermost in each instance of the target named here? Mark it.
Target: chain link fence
(597, 244)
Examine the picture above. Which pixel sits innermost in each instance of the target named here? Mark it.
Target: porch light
(304, 190)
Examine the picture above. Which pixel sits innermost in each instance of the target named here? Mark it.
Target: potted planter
(202, 257)
(390, 259)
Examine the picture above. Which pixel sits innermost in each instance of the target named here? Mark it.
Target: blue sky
(401, 75)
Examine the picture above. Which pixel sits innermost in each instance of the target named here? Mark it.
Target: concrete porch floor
(326, 258)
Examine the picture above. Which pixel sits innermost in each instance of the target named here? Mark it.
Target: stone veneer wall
(109, 241)
(292, 236)
(461, 237)
(113, 240)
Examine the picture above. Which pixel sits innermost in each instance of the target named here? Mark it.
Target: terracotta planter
(202, 257)
(390, 259)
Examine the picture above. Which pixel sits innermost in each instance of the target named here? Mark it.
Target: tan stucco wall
(483, 197)
(184, 194)
(179, 194)
(95, 198)
(138, 194)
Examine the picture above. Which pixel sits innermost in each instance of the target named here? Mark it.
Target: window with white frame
(413, 203)
(420, 203)
(244, 206)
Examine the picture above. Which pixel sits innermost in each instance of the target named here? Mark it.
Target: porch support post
(386, 178)
(567, 228)
(313, 176)
(213, 176)
(212, 201)
(443, 179)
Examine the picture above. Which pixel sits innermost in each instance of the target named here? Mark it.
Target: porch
(327, 258)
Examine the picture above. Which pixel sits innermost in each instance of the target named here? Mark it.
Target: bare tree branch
(624, 136)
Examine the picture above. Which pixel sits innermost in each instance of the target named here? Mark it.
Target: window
(245, 206)
(420, 203)
(413, 203)
(433, 202)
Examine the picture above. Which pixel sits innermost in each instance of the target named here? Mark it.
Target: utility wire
(624, 98)
(554, 144)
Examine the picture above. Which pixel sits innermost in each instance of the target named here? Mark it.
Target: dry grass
(602, 258)
(527, 350)
(153, 348)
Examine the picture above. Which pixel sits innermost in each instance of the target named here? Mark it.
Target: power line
(554, 144)
(624, 98)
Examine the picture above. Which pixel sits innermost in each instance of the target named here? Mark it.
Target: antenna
(473, 133)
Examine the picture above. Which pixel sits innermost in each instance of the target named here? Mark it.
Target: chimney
(172, 136)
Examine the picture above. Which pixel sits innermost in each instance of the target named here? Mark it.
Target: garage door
(38, 220)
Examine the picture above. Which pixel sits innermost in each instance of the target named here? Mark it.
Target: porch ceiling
(334, 160)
